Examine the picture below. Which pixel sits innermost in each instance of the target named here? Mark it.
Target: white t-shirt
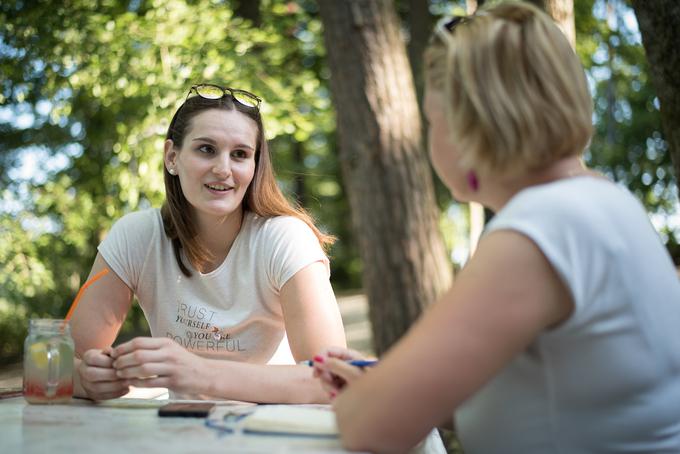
(233, 312)
(607, 380)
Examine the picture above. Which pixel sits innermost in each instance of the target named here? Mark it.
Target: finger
(330, 389)
(97, 374)
(146, 370)
(343, 353)
(319, 369)
(109, 387)
(329, 381)
(321, 365)
(97, 358)
(343, 370)
(138, 358)
(140, 343)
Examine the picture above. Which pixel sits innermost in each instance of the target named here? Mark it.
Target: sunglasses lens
(450, 25)
(209, 91)
(245, 98)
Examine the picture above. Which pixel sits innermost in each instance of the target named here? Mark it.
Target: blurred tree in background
(629, 144)
(87, 90)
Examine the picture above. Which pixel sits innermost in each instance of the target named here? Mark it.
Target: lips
(218, 187)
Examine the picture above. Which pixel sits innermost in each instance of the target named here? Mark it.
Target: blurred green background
(88, 89)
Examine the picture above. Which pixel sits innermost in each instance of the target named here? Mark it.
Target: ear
(169, 154)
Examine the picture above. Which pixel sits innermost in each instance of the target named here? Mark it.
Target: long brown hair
(263, 197)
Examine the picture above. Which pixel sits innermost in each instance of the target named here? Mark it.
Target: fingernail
(318, 359)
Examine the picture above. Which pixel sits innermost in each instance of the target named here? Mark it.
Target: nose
(222, 167)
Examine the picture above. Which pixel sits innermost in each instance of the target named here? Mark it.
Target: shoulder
(140, 223)
(141, 217)
(279, 227)
(587, 202)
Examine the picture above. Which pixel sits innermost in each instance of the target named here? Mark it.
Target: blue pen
(354, 362)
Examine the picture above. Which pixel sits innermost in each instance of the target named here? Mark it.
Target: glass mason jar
(48, 362)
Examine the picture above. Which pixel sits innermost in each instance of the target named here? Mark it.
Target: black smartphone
(186, 409)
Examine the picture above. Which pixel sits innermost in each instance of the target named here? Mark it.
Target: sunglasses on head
(446, 26)
(210, 91)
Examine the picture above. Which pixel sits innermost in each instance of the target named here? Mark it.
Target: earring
(472, 181)
(172, 172)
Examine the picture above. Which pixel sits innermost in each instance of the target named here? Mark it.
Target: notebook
(310, 420)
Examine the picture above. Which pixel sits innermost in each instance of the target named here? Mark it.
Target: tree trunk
(299, 190)
(384, 165)
(659, 23)
(562, 12)
(421, 23)
(249, 9)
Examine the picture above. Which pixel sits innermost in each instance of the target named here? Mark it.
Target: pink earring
(472, 181)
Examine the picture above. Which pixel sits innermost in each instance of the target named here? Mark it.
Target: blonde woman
(231, 278)
(562, 332)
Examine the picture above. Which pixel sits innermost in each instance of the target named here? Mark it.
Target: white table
(83, 426)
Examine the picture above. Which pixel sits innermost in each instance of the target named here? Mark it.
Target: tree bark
(299, 189)
(659, 23)
(421, 23)
(249, 9)
(562, 12)
(384, 165)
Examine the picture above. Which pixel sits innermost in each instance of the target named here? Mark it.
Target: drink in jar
(48, 362)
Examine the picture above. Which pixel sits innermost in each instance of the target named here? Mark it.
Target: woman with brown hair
(561, 333)
(232, 279)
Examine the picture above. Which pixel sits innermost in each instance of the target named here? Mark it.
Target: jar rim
(49, 323)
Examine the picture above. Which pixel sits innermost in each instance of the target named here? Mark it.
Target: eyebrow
(213, 142)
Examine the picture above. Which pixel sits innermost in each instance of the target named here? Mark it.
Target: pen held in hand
(354, 362)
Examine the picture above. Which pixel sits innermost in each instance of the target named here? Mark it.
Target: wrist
(208, 376)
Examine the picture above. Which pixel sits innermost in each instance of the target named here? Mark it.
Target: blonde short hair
(518, 96)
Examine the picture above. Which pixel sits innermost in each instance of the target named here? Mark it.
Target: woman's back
(608, 378)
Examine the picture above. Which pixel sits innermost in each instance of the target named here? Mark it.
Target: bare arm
(506, 295)
(312, 323)
(94, 326)
(311, 312)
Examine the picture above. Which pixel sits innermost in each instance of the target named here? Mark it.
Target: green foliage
(628, 144)
(99, 82)
(88, 89)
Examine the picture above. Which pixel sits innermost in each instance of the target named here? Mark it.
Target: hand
(335, 373)
(149, 362)
(98, 377)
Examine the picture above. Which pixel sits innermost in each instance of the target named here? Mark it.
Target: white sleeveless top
(608, 379)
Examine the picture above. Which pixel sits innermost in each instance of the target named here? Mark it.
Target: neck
(218, 233)
(497, 195)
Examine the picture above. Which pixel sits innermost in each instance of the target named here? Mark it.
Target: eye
(239, 154)
(205, 148)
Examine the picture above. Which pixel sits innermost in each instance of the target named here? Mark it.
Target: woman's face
(443, 153)
(216, 163)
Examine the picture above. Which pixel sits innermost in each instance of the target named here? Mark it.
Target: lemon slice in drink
(38, 352)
